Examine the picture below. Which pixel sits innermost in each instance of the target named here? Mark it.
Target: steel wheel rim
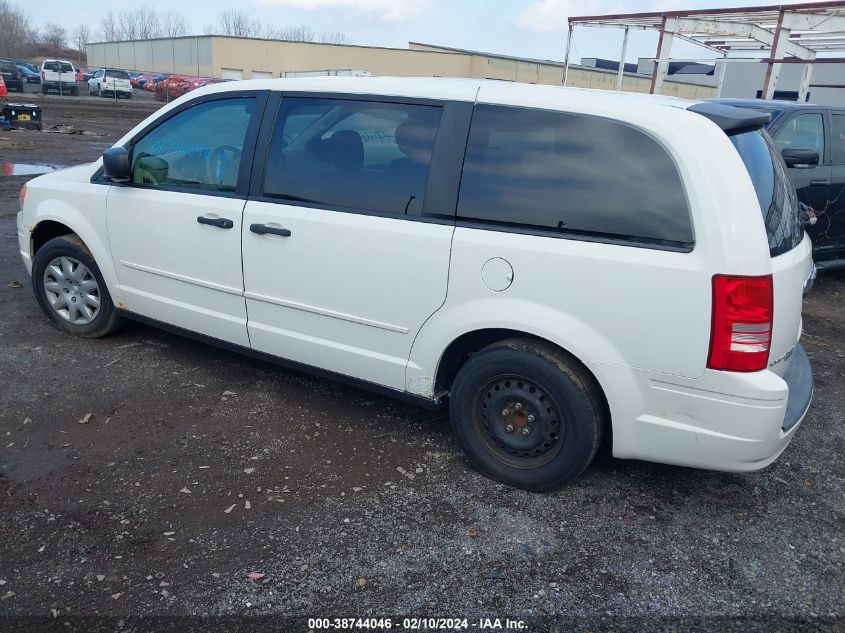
(72, 290)
(518, 421)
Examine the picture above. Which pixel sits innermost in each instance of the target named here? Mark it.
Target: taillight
(741, 332)
(42, 75)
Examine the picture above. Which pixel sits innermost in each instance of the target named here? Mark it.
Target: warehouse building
(247, 58)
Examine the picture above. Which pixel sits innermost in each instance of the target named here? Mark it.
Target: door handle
(220, 223)
(272, 230)
(819, 183)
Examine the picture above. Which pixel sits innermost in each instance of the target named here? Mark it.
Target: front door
(805, 130)
(342, 263)
(175, 228)
(837, 179)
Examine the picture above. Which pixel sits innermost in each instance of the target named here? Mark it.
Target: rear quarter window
(572, 175)
(775, 193)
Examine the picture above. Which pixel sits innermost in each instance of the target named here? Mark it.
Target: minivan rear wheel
(70, 289)
(527, 414)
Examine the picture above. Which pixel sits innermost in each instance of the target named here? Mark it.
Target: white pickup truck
(58, 75)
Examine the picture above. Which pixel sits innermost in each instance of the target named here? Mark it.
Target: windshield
(775, 193)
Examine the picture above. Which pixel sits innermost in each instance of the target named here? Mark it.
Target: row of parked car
(63, 77)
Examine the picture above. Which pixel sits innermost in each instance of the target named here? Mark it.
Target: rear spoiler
(731, 119)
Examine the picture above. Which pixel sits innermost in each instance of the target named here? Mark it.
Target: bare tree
(335, 37)
(110, 28)
(53, 35)
(173, 24)
(81, 34)
(17, 36)
(238, 23)
(149, 25)
(300, 33)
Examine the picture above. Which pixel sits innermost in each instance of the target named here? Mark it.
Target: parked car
(111, 81)
(175, 86)
(84, 74)
(140, 80)
(11, 75)
(4, 92)
(560, 265)
(811, 139)
(29, 75)
(151, 84)
(58, 75)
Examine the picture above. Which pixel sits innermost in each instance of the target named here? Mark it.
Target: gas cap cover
(497, 274)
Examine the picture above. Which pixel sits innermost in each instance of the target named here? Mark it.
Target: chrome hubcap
(72, 290)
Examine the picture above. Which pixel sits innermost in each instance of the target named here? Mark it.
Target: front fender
(82, 208)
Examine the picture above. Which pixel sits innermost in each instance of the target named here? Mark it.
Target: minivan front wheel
(70, 289)
(527, 414)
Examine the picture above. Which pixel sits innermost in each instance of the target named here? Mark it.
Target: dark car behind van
(811, 139)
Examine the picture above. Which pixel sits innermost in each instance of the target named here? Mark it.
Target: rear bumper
(799, 379)
(721, 421)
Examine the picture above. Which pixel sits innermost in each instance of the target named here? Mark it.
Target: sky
(524, 28)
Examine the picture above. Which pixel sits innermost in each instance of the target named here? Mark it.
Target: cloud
(388, 10)
(543, 16)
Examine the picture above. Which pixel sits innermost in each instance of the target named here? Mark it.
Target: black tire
(106, 320)
(520, 384)
(44, 90)
(74, 92)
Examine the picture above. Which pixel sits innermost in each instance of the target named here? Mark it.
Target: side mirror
(116, 164)
(796, 157)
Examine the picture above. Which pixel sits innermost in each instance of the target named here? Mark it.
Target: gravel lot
(198, 466)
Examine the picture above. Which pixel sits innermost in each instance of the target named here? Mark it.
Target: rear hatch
(117, 80)
(790, 250)
(792, 263)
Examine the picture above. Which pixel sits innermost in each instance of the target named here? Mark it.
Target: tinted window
(837, 138)
(353, 154)
(116, 74)
(58, 67)
(199, 148)
(574, 174)
(804, 131)
(775, 193)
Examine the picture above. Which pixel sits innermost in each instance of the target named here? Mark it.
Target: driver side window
(804, 131)
(198, 149)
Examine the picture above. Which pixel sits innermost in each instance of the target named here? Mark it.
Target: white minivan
(563, 266)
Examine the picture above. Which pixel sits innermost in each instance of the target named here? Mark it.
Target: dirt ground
(198, 466)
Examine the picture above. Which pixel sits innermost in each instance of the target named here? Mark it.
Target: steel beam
(621, 72)
(664, 49)
(773, 69)
(804, 86)
(734, 29)
(720, 75)
(800, 21)
(566, 55)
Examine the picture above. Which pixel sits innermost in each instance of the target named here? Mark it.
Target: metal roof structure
(790, 33)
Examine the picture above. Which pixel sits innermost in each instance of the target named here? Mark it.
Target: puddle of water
(25, 169)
